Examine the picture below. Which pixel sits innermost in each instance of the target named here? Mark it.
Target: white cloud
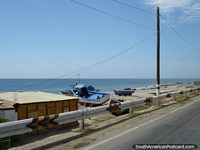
(178, 10)
(168, 5)
(192, 13)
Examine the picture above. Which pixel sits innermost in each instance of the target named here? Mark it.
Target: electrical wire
(131, 6)
(180, 47)
(87, 68)
(111, 15)
(180, 36)
(168, 24)
(118, 54)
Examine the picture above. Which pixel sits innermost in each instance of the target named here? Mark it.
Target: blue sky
(49, 38)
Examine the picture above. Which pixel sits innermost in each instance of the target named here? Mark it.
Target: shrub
(3, 120)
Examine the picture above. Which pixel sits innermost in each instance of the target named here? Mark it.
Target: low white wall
(10, 115)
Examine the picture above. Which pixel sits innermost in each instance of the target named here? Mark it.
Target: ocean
(57, 85)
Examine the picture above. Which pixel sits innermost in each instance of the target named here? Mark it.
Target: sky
(98, 38)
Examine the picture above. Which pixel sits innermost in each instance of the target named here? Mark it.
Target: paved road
(178, 127)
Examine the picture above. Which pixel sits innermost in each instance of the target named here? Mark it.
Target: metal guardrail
(29, 125)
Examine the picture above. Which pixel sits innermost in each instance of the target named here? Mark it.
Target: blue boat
(124, 92)
(89, 97)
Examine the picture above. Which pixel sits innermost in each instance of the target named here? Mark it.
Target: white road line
(116, 136)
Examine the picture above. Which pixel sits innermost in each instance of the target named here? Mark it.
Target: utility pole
(158, 54)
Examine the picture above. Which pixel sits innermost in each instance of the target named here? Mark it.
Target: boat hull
(123, 92)
(88, 95)
(95, 99)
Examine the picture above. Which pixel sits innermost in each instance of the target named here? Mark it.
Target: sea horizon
(54, 85)
(99, 78)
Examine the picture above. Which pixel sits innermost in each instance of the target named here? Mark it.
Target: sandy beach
(70, 137)
(141, 93)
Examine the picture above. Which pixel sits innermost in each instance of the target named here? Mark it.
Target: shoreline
(143, 93)
(105, 85)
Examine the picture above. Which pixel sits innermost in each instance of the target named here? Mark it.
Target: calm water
(57, 85)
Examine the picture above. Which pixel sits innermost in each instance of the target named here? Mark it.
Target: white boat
(89, 98)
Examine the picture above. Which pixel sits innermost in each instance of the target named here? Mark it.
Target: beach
(68, 137)
(149, 92)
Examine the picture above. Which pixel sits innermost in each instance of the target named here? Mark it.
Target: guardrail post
(194, 92)
(185, 95)
(174, 98)
(82, 124)
(82, 121)
(157, 103)
(131, 111)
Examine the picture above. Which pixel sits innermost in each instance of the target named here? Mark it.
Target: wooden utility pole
(158, 54)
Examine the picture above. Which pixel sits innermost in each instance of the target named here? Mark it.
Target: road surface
(181, 126)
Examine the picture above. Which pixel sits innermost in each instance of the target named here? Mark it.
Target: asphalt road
(181, 126)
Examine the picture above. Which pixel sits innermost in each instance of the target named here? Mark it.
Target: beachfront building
(24, 105)
(7, 111)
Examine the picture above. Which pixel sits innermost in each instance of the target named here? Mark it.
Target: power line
(131, 6)
(180, 36)
(87, 68)
(182, 48)
(106, 59)
(111, 15)
(118, 54)
(172, 28)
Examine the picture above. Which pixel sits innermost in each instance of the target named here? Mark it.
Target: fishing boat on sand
(124, 92)
(88, 96)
